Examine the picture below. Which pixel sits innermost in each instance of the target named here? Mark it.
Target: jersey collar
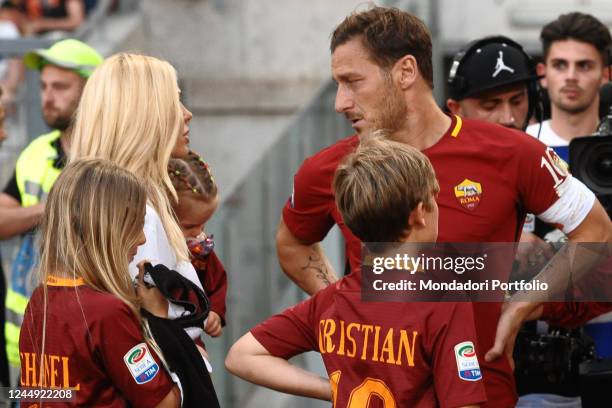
(57, 281)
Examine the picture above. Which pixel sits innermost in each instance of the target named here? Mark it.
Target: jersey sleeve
(308, 212)
(548, 190)
(291, 332)
(215, 284)
(456, 371)
(130, 363)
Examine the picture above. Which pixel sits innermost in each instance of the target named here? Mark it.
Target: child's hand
(152, 298)
(213, 325)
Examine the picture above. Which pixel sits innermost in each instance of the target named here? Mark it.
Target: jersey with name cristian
(390, 354)
(94, 345)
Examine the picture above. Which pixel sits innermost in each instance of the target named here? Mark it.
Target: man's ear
(541, 72)
(405, 71)
(416, 219)
(454, 107)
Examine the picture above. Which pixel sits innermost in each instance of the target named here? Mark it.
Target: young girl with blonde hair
(81, 329)
(130, 113)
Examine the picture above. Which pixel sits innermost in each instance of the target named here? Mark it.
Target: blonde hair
(130, 113)
(378, 186)
(93, 216)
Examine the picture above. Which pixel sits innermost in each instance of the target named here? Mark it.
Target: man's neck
(425, 123)
(570, 125)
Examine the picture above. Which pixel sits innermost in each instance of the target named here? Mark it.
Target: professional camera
(549, 363)
(559, 361)
(554, 361)
(595, 382)
(591, 161)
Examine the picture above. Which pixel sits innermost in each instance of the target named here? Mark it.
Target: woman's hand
(152, 299)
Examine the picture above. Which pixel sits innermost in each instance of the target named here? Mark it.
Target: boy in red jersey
(390, 354)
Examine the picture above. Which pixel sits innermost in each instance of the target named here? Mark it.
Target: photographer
(575, 50)
(494, 80)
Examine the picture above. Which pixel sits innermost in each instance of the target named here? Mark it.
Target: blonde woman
(130, 113)
(81, 329)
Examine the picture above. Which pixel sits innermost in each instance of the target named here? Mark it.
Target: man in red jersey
(381, 60)
(377, 354)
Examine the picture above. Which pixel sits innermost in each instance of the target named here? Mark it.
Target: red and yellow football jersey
(93, 345)
(382, 354)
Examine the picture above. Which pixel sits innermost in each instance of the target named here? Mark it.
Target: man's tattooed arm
(317, 265)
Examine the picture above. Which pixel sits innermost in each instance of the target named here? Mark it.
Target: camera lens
(591, 163)
(599, 167)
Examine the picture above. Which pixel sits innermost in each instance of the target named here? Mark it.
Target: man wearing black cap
(494, 80)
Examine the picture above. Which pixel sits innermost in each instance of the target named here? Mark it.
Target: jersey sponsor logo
(467, 361)
(468, 194)
(529, 225)
(141, 363)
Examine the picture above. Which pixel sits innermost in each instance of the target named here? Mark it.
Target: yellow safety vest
(35, 174)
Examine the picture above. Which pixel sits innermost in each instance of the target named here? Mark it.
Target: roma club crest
(468, 194)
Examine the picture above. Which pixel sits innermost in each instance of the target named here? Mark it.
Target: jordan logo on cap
(500, 65)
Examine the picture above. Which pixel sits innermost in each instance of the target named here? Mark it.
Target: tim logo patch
(467, 362)
(141, 363)
(468, 194)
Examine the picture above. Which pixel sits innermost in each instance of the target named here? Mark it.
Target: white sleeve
(157, 249)
(574, 204)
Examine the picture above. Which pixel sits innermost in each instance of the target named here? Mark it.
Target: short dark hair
(378, 186)
(580, 27)
(388, 34)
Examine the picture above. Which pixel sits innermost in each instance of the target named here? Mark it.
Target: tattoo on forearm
(317, 265)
